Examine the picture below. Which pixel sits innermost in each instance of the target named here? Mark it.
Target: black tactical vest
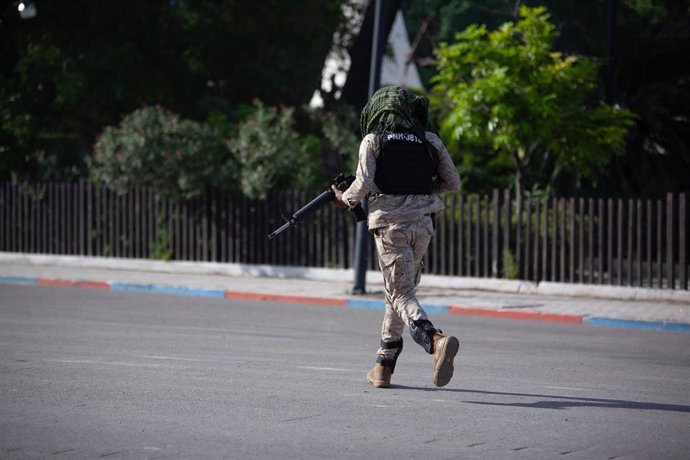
(406, 164)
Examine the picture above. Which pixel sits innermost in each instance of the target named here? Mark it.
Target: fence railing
(628, 242)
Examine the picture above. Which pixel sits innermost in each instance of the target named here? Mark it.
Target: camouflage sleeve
(449, 179)
(366, 169)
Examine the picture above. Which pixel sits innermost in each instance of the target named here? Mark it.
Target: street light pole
(362, 233)
(610, 84)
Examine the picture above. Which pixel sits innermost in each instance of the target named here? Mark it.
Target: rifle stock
(342, 183)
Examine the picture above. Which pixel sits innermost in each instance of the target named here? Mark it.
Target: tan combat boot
(445, 349)
(380, 376)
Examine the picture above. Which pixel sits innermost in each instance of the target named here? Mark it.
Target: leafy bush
(340, 131)
(154, 147)
(272, 154)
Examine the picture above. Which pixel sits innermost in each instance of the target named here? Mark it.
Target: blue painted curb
(436, 309)
(18, 280)
(633, 324)
(130, 287)
(171, 290)
(369, 304)
(194, 292)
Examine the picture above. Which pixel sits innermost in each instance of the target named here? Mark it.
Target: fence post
(528, 237)
(601, 241)
(562, 210)
(477, 236)
(451, 235)
(631, 238)
(659, 244)
(496, 218)
(554, 238)
(468, 237)
(619, 243)
(543, 222)
(650, 254)
(537, 273)
(670, 242)
(682, 242)
(638, 255)
(4, 219)
(571, 276)
(506, 227)
(518, 236)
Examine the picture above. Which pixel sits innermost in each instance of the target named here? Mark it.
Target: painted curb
(520, 315)
(170, 290)
(335, 274)
(18, 280)
(351, 303)
(285, 298)
(635, 324)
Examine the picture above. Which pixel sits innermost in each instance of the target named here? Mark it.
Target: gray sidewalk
(438, 294)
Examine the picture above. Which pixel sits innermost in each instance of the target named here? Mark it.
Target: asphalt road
(101, 374)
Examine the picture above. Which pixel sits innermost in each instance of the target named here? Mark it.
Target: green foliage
(180, 158)
(648, 75)
(161, 247)
(506, 93)
(32, 144)
(510, 267)
(339, 132)
(156, 148)
(271, 154)
(78, 66)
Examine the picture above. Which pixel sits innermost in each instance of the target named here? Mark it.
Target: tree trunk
(519, 174)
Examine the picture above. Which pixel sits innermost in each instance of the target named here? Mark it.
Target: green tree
(506, 93)
(648, 72)
(80, 65)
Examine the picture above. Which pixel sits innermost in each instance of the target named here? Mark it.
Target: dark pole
(610, 52)
(362, 235)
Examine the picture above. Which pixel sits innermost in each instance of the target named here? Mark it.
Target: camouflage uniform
(402, 227)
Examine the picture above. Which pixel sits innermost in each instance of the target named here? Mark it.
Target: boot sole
(444, 368)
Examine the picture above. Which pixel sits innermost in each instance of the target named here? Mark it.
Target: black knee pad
(422, 332)
(390, 362)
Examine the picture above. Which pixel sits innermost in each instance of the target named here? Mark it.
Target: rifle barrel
(281, 229)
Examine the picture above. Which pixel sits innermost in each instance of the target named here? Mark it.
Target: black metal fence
(629, 242)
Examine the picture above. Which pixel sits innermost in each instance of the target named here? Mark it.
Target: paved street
(87, 373)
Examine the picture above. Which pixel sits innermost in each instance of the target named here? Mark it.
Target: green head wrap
(392, 107)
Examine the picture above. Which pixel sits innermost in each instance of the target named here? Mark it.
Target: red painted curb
(285, 298)
(71, 283)
(52, 282)
(93, 284)
(522, 315)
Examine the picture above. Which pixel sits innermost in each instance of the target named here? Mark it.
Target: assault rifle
(342, 183)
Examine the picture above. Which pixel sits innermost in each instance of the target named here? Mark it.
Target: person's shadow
(554, 401)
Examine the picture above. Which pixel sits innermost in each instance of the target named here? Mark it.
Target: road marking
(179, 358)
(565, 388)
(332, 369)
(106, 363)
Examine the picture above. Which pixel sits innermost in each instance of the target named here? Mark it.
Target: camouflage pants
(401, 248)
